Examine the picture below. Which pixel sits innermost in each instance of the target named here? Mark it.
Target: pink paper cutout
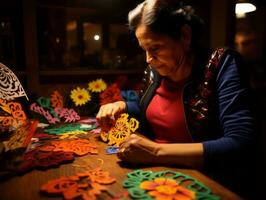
(38, 109)
(70, 115)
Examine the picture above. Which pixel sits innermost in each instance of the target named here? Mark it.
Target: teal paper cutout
(68, 128)
(45, 102)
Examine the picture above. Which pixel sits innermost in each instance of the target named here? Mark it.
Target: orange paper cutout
(164, 188)
(7, 121)
(18, 116)
(85, 185)
(57, 100)
(16, 111)
(78, 146)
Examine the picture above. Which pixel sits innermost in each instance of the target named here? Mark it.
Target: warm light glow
(242, 8)
(57, 40)
(96, 37)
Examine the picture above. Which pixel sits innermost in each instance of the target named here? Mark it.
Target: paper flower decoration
(121, 130)
(97, 86)
(166, 185)
(10, 87)
(80, 96)
(165, 188)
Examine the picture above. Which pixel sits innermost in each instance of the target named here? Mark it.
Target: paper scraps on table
(37, 159)
(166, 185)
(85, 185)
(78, 146)
(43, 125)
(21, 137)
(96, 131)
(45, 136)
(65, 128)
(121, 130)
(72, 134)
(88, 120)
(14, 116)
(10, 86)
(112, 150)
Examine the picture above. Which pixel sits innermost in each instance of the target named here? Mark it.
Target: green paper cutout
(68, 128)
(45, 102)
(136, 177)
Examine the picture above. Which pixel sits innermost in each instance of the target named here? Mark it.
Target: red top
(165, 113)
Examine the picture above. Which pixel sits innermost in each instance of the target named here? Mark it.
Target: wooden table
(26, 187)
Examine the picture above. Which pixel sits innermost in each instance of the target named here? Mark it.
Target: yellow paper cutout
(121, 130)
(4, 106)
(72, 134)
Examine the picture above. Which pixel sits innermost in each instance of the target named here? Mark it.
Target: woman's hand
(137, 149)
(140, 150)
(108, 112)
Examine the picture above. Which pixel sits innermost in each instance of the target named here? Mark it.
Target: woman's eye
(154, 49)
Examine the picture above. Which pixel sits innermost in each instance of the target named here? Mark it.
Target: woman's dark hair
(166, 17)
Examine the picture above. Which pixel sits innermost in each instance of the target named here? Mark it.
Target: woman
(194, 106)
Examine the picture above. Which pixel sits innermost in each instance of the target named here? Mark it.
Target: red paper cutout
(111, 94)
(42, 159)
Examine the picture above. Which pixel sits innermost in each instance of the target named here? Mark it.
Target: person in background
(194, 109)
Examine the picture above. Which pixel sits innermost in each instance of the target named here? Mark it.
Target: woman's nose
(149, 57)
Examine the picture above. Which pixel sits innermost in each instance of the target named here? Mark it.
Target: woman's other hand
(138, 149)
(108, 112)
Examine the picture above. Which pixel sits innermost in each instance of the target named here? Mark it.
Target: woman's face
(163, 53)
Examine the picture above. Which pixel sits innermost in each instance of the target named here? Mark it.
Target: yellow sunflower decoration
(80, 96)
(97, 86)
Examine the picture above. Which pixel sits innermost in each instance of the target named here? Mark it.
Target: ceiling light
(242, 8)
(96, 37)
